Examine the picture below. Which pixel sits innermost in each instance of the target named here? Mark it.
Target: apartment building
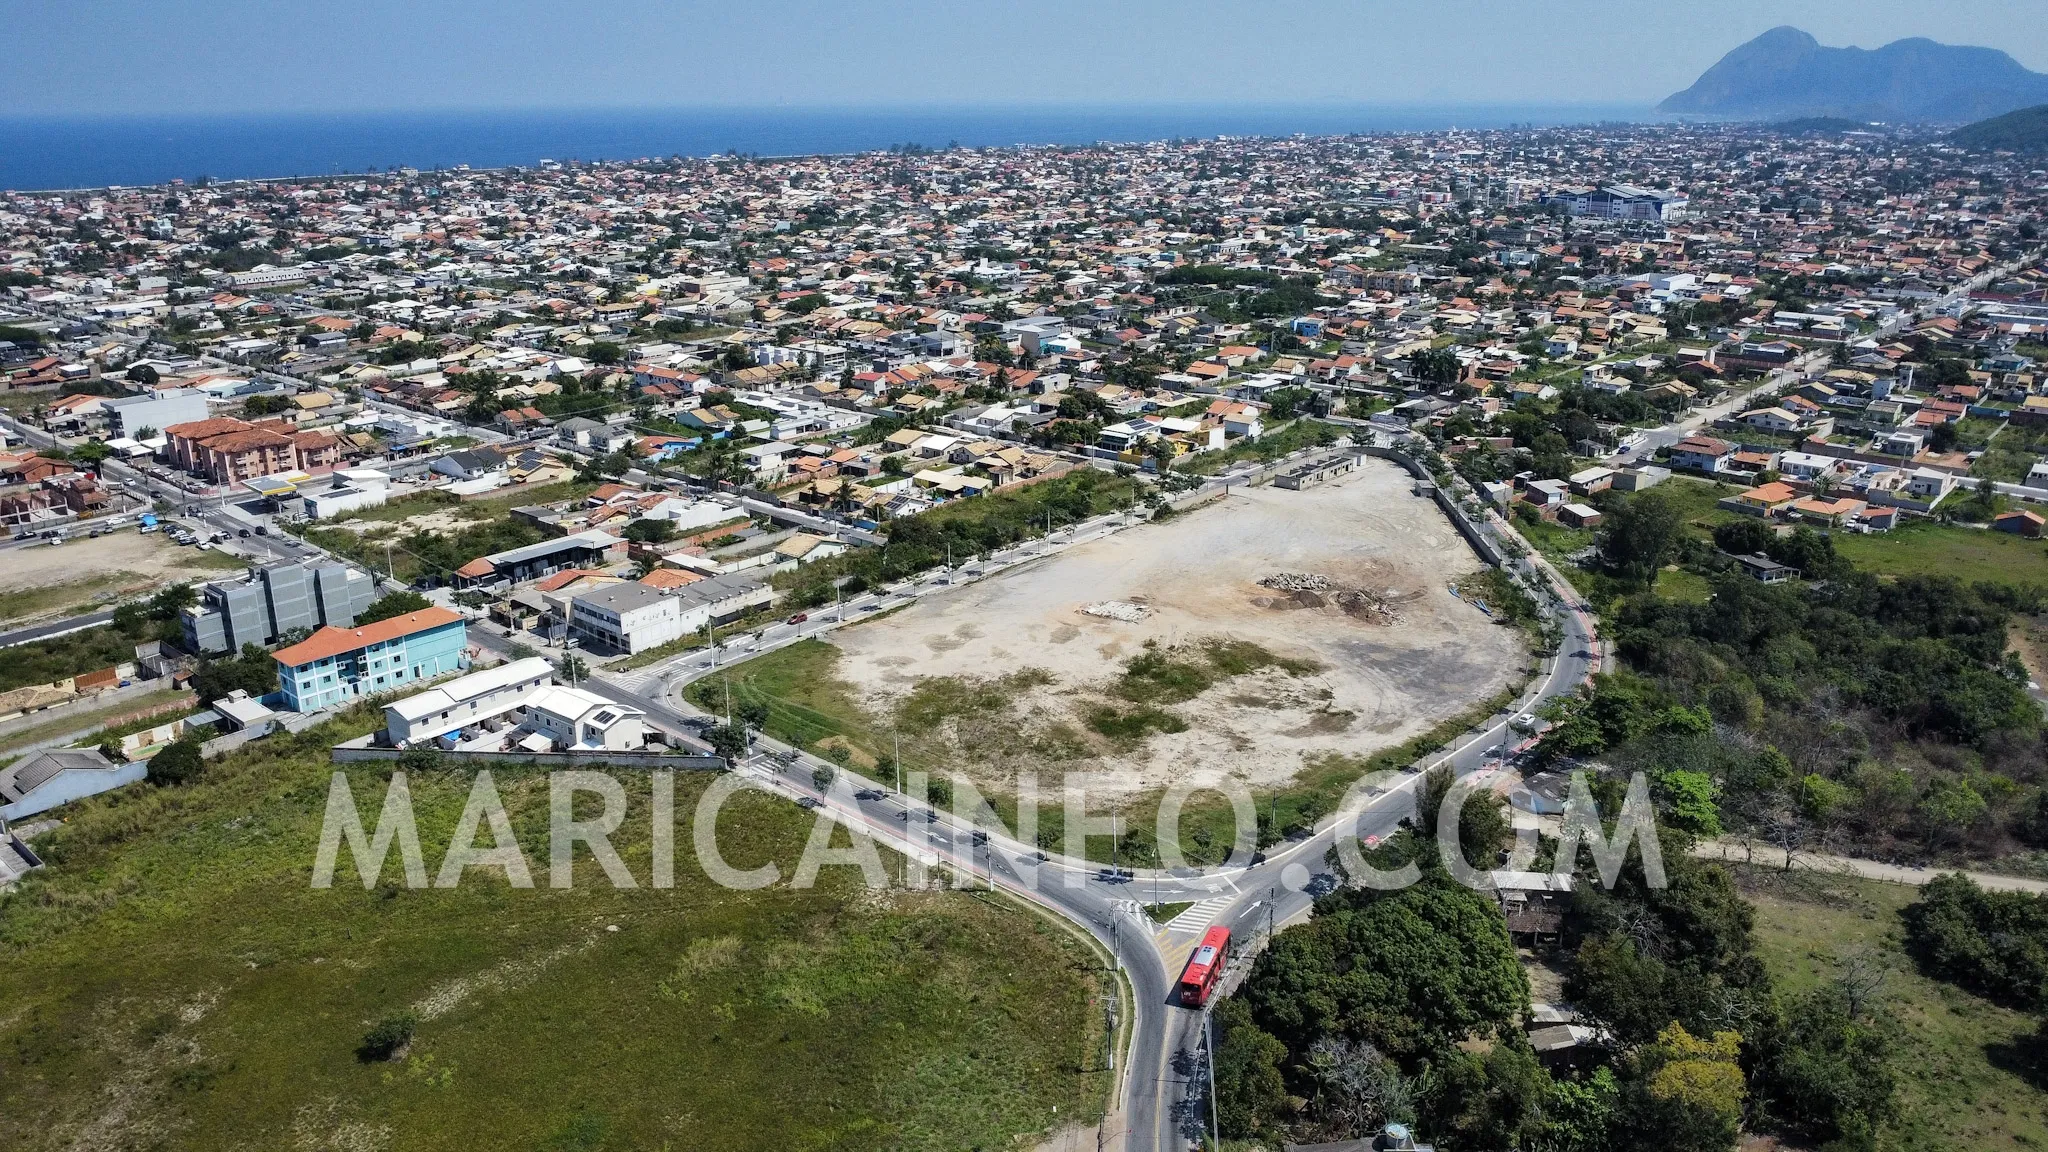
(131, 416)
(268, 602)
(336, 665)
(227, 450)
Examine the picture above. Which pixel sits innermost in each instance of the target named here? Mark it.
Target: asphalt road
(1154, 1093)
(55, 628)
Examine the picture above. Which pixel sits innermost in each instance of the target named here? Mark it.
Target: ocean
(95, 152)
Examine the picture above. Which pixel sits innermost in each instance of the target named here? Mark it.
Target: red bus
(1205, 967)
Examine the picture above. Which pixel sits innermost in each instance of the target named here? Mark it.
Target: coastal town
(1250, 463)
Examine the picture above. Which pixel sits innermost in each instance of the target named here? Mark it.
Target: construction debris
(1122, 610)
(1313, 590)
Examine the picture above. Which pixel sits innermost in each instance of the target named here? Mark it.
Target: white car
(1526, 722)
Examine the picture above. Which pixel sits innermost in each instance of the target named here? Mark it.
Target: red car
(799, 618)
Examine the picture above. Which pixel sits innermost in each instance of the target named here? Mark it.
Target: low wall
(545, 759)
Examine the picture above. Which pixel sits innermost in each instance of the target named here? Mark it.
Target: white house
(43, 780)
(464, 701)
(575, 720)
(1807, 466)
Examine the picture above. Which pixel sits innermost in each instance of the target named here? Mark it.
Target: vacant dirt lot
(40, 581)
(1020, 675)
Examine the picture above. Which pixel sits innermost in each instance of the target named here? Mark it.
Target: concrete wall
(344, 755)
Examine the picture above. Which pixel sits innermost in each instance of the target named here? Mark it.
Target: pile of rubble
(1312, 590)
(1122, 610)
(1297, 582)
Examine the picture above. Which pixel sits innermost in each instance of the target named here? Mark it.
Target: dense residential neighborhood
(1708, 456)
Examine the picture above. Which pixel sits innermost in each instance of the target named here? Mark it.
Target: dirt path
(1770, 857)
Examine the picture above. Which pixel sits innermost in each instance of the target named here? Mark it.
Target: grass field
(1955, 1091)
(172, 981)
(1924, 548)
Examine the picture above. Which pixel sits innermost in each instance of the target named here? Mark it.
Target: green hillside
(2023, 131)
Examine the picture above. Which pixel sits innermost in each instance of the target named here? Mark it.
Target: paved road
(1154, 1088)
(54, 628)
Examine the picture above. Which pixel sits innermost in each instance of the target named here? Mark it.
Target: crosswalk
(1197, 917)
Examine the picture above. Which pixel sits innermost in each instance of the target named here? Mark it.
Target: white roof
(1532, 881)
(466, 688)
(578, 705)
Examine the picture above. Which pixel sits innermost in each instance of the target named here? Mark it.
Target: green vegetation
(1403, 1006)
(96, 719)
(1161, 913)
(63, 599)
(393, 604)
(426, 552)
(1284, 440)
(962, 529)
(2024, 130)
(1926, 548)
(1965, 1080)
(175, 955)
(45, 661)
(1993, 943)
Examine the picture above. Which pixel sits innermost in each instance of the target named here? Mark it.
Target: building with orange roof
(336, 665)
(670, 579)
(227, 450)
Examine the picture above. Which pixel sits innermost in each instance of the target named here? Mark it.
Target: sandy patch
(1197, 576)
(109, 568)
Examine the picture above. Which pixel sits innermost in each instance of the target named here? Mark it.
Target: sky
(112, 57)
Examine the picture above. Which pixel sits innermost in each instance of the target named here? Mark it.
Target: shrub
(178, 764)
(383, 1041)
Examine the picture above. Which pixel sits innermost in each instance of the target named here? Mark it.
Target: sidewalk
(1768, 856)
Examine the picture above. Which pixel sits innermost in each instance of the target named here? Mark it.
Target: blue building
(336, 665)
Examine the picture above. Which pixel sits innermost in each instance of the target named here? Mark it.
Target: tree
(1688, 1092)
(91, 453)
(1744, 537)
(1640, 535)
(1410, 972)
(1436, 366)
(254, 672)
(393, 604)
(143, 374)
(651, 531)
(177, 764)
(1251, 1092)
(573, 669)
(729, 741)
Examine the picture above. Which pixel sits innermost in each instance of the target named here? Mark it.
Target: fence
(544, 759)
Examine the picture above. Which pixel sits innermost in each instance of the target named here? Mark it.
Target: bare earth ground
(1379, 683)
(36, 582)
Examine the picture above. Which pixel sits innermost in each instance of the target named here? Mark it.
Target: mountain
(1786, 73)
(2023, 131)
